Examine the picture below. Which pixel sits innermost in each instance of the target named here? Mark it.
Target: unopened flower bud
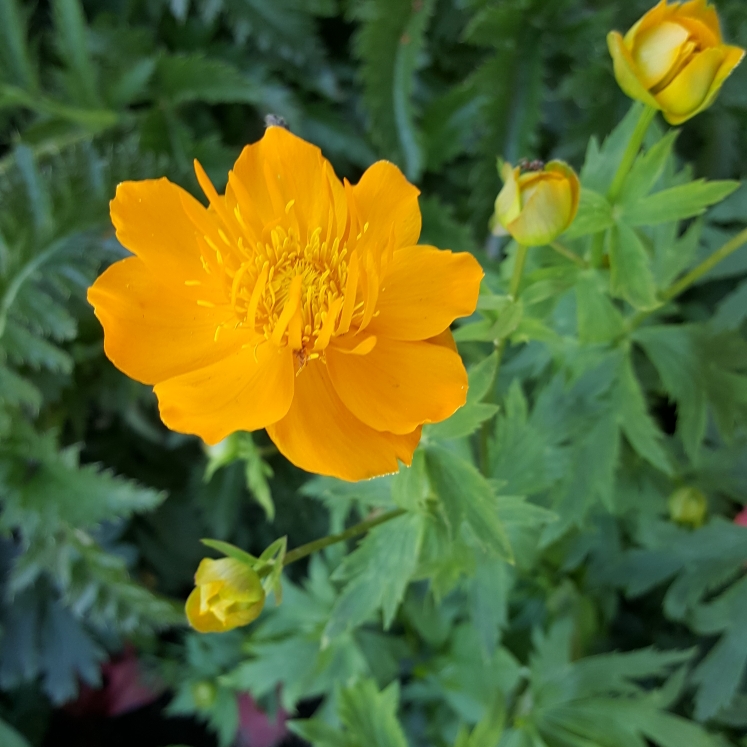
(228, 594)
(536, 206)
(674, 58)
(204, 693)
(688, 506)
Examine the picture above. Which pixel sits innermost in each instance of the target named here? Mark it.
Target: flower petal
(685, 94)
(247, 390)
(732, 57)
(424, 291)
(702, 20)
(625, 71)
(384, 198)
(508, 202)
(399, 385)
(319, 434)
(152, 332)
(546, 214)
(657, 50)
(151, 222)
(283, 174)
(202, 622)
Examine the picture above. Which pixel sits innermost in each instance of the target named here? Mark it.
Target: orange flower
(294, 303)
(674, 59)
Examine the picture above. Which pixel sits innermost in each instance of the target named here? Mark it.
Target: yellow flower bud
(688, 505)
(674, 58)
(228, 594)
(535, 207)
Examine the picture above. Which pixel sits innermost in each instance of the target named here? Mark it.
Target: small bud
(537, 203)
(204, 694)
(741, 518)
(688, 506)
(228, 594)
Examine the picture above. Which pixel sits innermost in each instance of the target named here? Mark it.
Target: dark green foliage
(536, 591)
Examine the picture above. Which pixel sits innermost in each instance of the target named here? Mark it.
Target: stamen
(259, 288)
(206, 304)
(192, 282)
(294, 298)
(350, 290)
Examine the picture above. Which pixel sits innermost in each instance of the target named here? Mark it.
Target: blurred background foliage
(605, 606)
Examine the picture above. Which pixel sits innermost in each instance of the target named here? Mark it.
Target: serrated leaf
(676, 203)
(370, 716)
(194, 77)
(467, 498)
(597, 317)
(594, 214)
(637, 424)
(601, 164)
(646, 170)
(389, 43)
(377, 573)
(72, 38)
(630, 268)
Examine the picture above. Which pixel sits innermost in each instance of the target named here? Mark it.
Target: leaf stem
(695, 274)
(331, 539)
(631, 151)
(567, 253)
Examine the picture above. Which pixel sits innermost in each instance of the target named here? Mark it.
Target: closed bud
(688, 506)
(227, 595)
(536, 206)
(204, 694)
(674, 58)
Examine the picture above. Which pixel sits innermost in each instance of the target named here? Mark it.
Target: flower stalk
(332, 539)
(634, 145)
(695, 274)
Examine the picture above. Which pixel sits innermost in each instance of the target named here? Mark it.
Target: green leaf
(389, 43)
(467, 419)
(231, 551)
(630, 268)
(467, 498)
(9, 737)
(370, 716)
(732, 309)
(647, 170)
(601, 164)
(597, 317)
(676, 203)
(14, 51)
(377, 573)
(594, 214)
(72, 37)
(493, 329)
(637, 424)
(193, 77)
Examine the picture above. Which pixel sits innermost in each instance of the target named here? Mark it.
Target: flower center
(290, 291)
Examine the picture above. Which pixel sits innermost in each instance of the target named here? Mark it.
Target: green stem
(513, 289)
(696, 273)
(332, 539)
(567, 253)
(634, 145)
(519, 259)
